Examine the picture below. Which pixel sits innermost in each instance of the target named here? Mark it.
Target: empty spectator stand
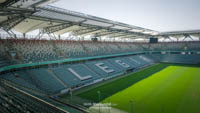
(13, 100)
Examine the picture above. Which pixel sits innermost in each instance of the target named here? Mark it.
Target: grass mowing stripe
(120, 84)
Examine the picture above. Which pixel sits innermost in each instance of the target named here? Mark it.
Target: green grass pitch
(162, 88)
(115, 86)
(173, 90)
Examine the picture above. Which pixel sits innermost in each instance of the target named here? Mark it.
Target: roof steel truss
(55, 28)
(8, 3)
(11, 22)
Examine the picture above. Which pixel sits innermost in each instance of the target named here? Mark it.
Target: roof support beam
(15, 11)
(119, 35)
(80, 30)
(95, 32)
(122, 35)
(167, 37)
(125, 36)
(187, 36)
(53, 36)
(55, 28)
(199, 36)
(128, 36)
(11, 34)
(104, 34)
(11, 22)
(88, 32)
(39, 35)
(113, 35)
(8, 3)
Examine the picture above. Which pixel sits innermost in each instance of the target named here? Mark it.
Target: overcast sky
(159, 15)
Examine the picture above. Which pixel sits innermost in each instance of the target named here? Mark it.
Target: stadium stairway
(55, 76)
(46, 80)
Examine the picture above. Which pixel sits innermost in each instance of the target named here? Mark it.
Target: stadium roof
(59, 21)
(180, 34)
(24, 3)
(28, 15)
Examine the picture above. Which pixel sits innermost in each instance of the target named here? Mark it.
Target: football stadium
(79, 63)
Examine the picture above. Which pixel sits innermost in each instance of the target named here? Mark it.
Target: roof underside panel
(124, 36)
(58, 16)
(93, 32)
(115, 34)
(47, 2)
(132, 36)
(159, 37)
(137, 37)
(196, 35)
(177, 36)
(26, 3)
(7, 3)
(136, 30)
(104, 33)
(82, 31)
(97, 23)
(121, 27)
(69, 29)
(3, 18)
(2, 1)
(30, 24)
